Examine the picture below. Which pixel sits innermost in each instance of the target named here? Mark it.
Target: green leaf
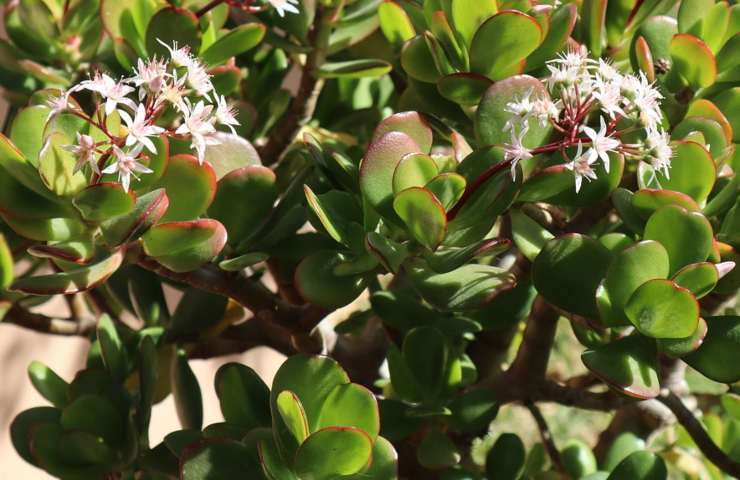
(502, 43)
(469, 15)
(333, 452)
(578, 459)
(642, 465)
(628, 365)
(50, 385)
(468, 287)
(317, 283)
(339, 214)
(383, 465)
(19, 168)
(463, 88)
(528, 235)
(56, 167)
(23, 426)
(491, 116)
(693, 60)
(73, 281)
(378, 166)
(219, 458)
(594, 14)
(147, 211)
(417, 60)
(716, 358)
(272, 463)
(354, 69)
(6, 264)
(413, 170)
(714, 136)
(351, 405)
(562, 22)
(451, 258)
(197, 311)
(148, 378)
(437, 451)
(27, 131)
(390, 254)
(699, 278)
(692, 171)
(505, 460)
(395, 23)
(232, 152)
(629, 269)
(425, 353)
(293, 417)
(190, 186)
(568, 270)
(253, 188)
(241, 262)
(244, 397)
(625, 444)
(103, 201)
(448, 188)
(647, 201)
(423, 215)
(679, 347)
(186, 391)
(94, 414)
(661, 309)
(237, 41)
(111, 348)
(413, 124)
(169, 25)
(687, 236)
(185, 246)
(474, 410)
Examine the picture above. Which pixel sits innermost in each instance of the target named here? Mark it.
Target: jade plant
(445, 214)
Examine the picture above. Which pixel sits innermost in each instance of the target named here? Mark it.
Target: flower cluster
(179, 84)
(582, 91)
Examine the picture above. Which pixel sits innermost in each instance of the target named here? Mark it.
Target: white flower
(282, 6)
(198, 79)
(113, 92)
(139, 128)
(575, 59)
(84, 150)
(607, 72)
(544, 109)
(58, 104)
(521, 110)
(515, 151)
(126, 165)
(601, 144)
(609, 96)
(198, 125)
(180, 56)
(581, 167)
(152, 75)
(173, 92)
(225, 114)
(659, 151)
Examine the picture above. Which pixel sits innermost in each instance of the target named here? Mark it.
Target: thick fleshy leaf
(351, 405)
(448, 188)
(103, 201)
(628, 365)
(395, 23)
(463, 88)
(197, 311)
(293, 416)
(383, 465)
(594, 14)
(19, 168)
(629, 269)
(230, 153)
(417, 60)
(244, 197)
(713, 135)
(190, 186)
(450, 258)
(502, 42)
(219, 458)
(467, 287)
(185, 246)
(469, 15)
(111, 348)
(679, 347)
(390, 253)
(692, 171)
(241, 262)
(423, 215)
(561, 276)
(474, 410)
(378, 166)
(491, 116)
(317, 283)
(579, 459)
(661, 309)
(437, 451)
(6, 263)
(339, 214)
(50, 385)
(272, 463)
(693, 60)
(562, 22)
(425, 355)
(56, 166)
(528, 235)
(355, 69)
(172, 24)
(647, 201)
(641, 465)
(148, 210)
(244, 397)
(414, 170)
(27, 131)
(717, 356)
(237, 41)
(413, 124)
(699, 278)
(333, 452)
(186, 391)
(687, 236)
(702, 107)
(505, 460)
(72, 281)
(23, 426)
(94, 414)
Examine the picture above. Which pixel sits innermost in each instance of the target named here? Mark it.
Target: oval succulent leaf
(423, 215)
(185, 246)
(103, 201)
(73, 281)
(333, 452)
(661, 309)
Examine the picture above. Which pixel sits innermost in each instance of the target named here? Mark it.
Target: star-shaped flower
(601, 144)
(112, 91)
(282, 6)
(140, 129)
(84, 150)
(581, 167)
(515, 151)
(126, 164)
(199, 125)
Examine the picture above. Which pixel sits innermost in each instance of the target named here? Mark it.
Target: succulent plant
(410, 200)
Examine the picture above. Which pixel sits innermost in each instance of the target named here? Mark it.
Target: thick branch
(531, 360)
(546, 435)
(41, 323)
(303, 105)
(699, 435)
